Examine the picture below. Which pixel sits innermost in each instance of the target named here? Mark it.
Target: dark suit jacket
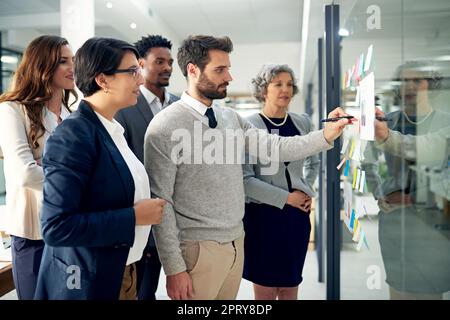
(87, 216)
(135, 120)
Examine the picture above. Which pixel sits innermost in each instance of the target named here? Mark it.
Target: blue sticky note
(352, 219)
(347, 168)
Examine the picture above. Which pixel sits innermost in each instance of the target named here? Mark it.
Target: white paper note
(362, 182)
(368, 58)
(367, 107)
(344, 146)
(358, 179)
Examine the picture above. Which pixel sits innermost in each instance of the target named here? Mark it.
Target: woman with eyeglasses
(37, 102)
(97, 211)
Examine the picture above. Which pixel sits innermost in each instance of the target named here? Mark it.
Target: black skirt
(276, 241)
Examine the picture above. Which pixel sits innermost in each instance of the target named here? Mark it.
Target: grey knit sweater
(206, 198)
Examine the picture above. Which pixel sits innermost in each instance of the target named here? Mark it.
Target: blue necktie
(211, 118)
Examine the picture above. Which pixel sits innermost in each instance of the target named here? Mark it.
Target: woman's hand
(333, 130)
(149, 211)
(300, 200)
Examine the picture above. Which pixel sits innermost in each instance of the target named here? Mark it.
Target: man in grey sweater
(186, 154)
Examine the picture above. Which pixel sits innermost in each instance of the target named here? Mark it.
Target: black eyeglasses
(135, 71)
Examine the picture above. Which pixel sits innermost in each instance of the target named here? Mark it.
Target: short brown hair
(195, 50)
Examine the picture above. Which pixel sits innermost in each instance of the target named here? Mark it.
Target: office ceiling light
(344, 32)
(133, 26)
(109, 5)
(9, 59)
(442, 58)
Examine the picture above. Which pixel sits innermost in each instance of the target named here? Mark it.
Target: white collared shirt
(153, 101)
(194, 103)
(199, 107)
(141, 183)
(51, 120)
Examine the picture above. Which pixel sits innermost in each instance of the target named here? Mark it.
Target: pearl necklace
(273, 123)
(417, 122)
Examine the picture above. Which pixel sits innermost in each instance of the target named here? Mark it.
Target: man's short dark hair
(151, 41)
(195, 50)
(96, 56)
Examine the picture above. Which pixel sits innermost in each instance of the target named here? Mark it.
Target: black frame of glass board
(333, 96)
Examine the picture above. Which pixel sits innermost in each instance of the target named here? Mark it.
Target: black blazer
(87, 217)
(135, 120)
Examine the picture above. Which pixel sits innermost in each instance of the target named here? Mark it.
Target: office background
(320, 40)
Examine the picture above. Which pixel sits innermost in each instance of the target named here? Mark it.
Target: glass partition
(395, 181)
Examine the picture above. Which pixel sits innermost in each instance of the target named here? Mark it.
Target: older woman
(97, 210)
(276, 221)
(37, 102)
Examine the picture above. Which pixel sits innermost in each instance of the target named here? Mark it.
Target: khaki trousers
(128, 290)
(215, 268)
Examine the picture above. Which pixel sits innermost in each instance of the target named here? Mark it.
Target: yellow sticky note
(355, 173)
(356, 233)
(352, 148)
(355, 225)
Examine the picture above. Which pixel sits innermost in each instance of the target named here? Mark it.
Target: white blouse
(24, 176)
(141, 183)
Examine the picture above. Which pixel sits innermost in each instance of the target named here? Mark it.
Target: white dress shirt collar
(64, 113)
(194, 103)
(113, 127)
(150, 96)
(51, 119)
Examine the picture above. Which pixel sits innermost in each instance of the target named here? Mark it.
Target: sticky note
(362, 183)
(344, 146)
(347, 168)
(361, 239)
(356, 70)
(358, 179)
(355, 173)
(356, 231)
(361, 65)
(368, 58)
(367, 107)
(352, 219)
(341, 163)
(357, 151)
(347, 223)
(352, 148)
(349, 77)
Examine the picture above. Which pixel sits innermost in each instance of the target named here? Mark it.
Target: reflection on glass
(413, 232)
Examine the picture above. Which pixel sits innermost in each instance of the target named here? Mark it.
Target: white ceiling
(245, 21)
(425, 32)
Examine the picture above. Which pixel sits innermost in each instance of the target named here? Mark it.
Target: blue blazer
(87, 217)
